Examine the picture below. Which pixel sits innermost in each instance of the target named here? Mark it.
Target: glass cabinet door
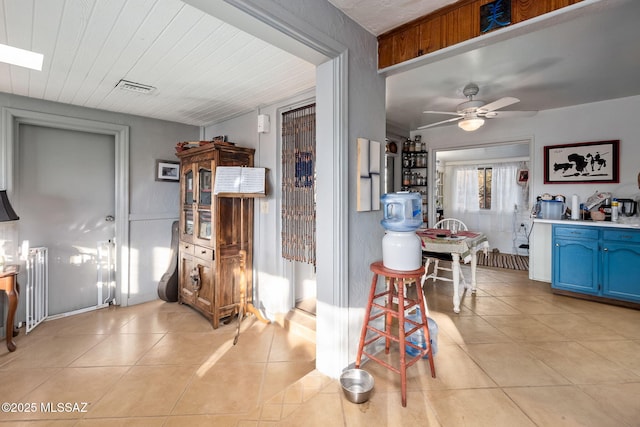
(188, 223)
(187, 205)
(205, 187)
(188, 188)
(204, 226)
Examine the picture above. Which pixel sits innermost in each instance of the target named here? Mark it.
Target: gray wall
(366, 119)
(153, 205)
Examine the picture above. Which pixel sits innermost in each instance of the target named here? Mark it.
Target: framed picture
(167, 170)
(523, 176)
(584, 162)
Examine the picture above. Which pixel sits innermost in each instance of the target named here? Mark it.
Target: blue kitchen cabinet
(621, 264)
(575, 259)
(596, 261)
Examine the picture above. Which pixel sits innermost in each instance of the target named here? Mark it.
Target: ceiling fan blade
(500, 103)
(507, 114)
(442, 112)
(440, 123)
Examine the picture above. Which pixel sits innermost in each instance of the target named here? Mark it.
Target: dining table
(463, 246)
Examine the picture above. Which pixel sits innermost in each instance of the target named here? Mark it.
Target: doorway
(14, 119)
(299, 203)
(66, 186)
(498, 207)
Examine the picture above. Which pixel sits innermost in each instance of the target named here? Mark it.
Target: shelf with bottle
(414, 160)
(413, 179)
(415, 145)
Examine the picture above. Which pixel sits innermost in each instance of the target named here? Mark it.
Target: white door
(66, 183)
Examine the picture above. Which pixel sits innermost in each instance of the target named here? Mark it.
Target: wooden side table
(395, 292)
(9, 284)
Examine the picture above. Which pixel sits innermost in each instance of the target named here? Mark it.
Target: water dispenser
(401, 247)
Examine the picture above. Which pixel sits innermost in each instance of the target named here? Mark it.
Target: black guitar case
(168, 285)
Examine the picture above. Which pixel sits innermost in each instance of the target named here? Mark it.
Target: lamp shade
(6, 211)
(471, 124)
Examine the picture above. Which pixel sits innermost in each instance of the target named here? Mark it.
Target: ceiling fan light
(471, 124)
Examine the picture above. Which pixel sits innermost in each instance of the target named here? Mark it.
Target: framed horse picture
(584, 162)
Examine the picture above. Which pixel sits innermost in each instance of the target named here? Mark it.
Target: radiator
(106, 273)
(37, 292)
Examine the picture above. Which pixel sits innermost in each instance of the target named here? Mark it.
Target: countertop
(627, 222)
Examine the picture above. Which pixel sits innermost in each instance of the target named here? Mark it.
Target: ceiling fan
(471, 113)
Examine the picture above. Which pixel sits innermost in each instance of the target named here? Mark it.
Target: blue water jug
(401, 211)
(417, 338)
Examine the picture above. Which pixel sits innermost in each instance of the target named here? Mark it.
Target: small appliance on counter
(627, 207)
(401, 247)
(549, 207)
(552, 209)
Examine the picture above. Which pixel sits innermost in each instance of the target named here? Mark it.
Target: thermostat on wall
(263, 123)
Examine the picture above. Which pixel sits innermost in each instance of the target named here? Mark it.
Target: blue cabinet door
(621, 271)
(575, 265)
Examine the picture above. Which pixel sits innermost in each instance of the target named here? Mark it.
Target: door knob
(109, 218)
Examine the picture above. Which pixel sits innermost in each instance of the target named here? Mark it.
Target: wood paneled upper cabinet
(521, 10)
(409, 43)
(449, 26)
(460, 24)
(405, 44)
(430, 36)
(385, 52)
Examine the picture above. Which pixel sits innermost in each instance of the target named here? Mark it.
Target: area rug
(514, 262)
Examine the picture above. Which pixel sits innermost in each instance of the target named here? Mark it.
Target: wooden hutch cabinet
(216, 234)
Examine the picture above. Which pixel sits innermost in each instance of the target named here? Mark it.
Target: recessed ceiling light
(20, 57)
(134, 87)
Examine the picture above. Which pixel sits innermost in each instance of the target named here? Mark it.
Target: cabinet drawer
(622, 236)
(186, 247)
(203, 253)
(575, 232)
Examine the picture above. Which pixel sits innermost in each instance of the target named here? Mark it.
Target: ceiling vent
(134, 87)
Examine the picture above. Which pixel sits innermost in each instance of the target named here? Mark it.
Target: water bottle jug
(402, 211)
(417, 338)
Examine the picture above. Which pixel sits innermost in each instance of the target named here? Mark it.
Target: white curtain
(505, 195)
(464, 201)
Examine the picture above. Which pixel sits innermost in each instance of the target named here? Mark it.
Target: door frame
(12, 118)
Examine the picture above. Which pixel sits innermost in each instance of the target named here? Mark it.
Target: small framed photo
(523, 176)
(584, 162)
(167, 170)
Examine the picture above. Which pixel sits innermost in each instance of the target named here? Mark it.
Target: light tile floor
(516, 355)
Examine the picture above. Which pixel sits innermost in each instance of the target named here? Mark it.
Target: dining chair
(454, 225)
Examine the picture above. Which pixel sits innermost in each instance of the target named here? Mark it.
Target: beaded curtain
(298, 185)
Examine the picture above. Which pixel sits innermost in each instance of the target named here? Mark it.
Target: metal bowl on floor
(357, 385)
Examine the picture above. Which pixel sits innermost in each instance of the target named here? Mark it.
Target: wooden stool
(404, 303)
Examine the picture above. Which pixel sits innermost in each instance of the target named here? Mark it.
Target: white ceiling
(203, 69)
(206, 71)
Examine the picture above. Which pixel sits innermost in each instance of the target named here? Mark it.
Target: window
(484, 187)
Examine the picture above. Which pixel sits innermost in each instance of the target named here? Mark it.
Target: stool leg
(391, 292)
(427, 337)
(403, 350)
(367, 314)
